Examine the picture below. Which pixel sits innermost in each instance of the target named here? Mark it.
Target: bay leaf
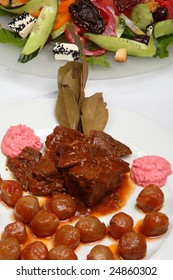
(94, 113)
(84, 77)
(73, 109)
(84, 64)
(69, 76)
(66, 109)
(84, 73)
(77, 39)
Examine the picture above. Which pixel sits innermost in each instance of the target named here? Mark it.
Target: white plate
(44, 65)
(141, 134)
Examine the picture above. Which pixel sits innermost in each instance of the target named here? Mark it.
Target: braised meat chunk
(92, 180)
(45, 187)
(45, 179)
(23, 165)
(97, 144)
(37, 174)
(62, 135)
(76, 153)
(46, 170)
(107, 145)
(88, 168)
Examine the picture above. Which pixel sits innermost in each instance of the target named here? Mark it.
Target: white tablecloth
(150, 93)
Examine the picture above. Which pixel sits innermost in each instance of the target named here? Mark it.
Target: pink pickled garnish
(149, 170)
(17, 138)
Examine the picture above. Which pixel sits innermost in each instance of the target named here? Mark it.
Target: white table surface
(150, 94)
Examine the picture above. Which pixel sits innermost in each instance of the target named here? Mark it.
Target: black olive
(87, 16)
(160, 14)
(141, 38)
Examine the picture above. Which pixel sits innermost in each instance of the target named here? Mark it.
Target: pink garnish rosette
(17, 138)
(149, 170)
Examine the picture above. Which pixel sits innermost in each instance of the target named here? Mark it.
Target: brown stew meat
(23, 165)
(73, 163)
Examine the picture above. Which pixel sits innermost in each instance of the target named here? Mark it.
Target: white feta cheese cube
(66, 51)
(23, 24)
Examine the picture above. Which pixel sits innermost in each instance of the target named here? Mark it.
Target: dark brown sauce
(110, 204)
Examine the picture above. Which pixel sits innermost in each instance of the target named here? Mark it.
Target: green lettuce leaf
(3, 13)
(163, 43)
(99, 60)
(9, 37)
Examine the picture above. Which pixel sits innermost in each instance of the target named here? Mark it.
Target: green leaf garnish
(9, 37)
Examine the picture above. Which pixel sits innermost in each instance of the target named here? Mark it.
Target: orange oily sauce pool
(48, 241)
(114, 249)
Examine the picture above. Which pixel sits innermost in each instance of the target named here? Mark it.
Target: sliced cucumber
(41, 31)
(163, 28)
(59, 31)
(112, 44)
(29, 7)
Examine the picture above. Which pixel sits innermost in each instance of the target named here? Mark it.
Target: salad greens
(9, 37)
(98, 60)
(163, 43)
(141, 16)
(126, 26)
(2, 12)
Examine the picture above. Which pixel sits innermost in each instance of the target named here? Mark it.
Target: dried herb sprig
(73, 109)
